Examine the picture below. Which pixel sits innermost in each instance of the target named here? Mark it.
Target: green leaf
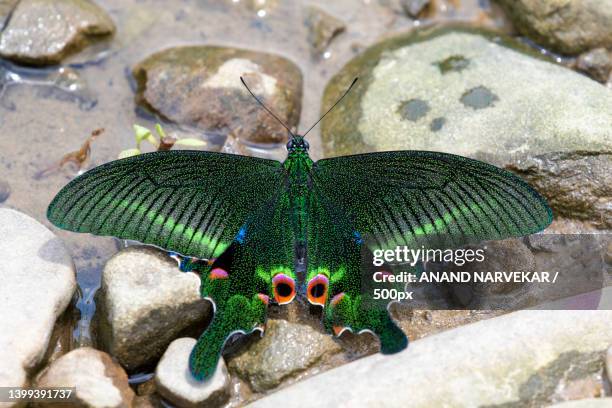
(141, 133)
(160, 131)
(129, 153)
(191, 142)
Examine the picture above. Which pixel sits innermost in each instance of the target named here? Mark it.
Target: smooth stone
(467, 80)
(322, 28)
(566, 26)
(195, 85)
(38, 282)
(145, 303)
(44, 32)
(585, 403)
(596, 63)
(100, 382)
(286, 350)
(516, 359)
(175, 383)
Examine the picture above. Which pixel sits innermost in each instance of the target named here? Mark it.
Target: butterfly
(270, 231)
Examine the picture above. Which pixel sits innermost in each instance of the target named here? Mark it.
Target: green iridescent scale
(254, 219)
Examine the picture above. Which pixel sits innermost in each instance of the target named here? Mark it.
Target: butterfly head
(297, 144)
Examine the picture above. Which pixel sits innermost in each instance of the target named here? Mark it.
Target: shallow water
(47, 113)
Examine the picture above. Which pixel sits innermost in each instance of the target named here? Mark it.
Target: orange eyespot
(284, 288)
(317, 289)
(218, 273)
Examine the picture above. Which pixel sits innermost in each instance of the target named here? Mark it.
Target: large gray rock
(518, 359)
(146, 302)
(200, 86)
(585, 403)
(38, 282)
(100, 382)
(6, 8)
(176, 384)
(566, 26)
(286, 350)
(44, 32)
(459, 91)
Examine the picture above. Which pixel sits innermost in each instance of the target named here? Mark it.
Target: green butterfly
(270, 230)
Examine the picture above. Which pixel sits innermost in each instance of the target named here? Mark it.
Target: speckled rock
(414, 7)
(596, 63)
(322, 28)
(175, 383)
(146, 302)
(566, 26)
(38, 282)
(577, 184)
(517, 359)
(43, 32)
(200, 86)
(455, 90)
(286, 350)
(100, 382)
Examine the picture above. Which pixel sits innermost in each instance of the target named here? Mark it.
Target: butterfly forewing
(434, 199)
(191, 202)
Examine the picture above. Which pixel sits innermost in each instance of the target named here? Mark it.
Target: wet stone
(414, 7)
(437, 124)
(479, 98)
(200, 86)
(596, 63)
(455, 63)
(322, 28)
(44, 32)
(414, 109)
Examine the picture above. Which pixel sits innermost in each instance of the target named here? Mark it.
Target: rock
(596, 63)
(414, 7)
(455, 91)
(286, 350)
(44, 32)
(99, 381)
(175, 383)
(516, 360)
(585, 403)
(5, 191)
(200, 86)
(6, 8)
(147, 401)
(566, 26)
(322, 28)
(38, 282)
(577, 184)
(146, 302)
(505, 256)
(609, 364)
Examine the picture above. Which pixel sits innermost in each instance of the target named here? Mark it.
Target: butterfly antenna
(333, 106)
(266, 108)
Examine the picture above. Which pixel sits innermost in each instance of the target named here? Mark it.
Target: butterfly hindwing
(339, 276)
(416, 198)
(190, 202)
(257, 267)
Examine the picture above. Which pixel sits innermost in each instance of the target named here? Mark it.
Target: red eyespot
(218, 273)
(264, 298)
(284, 288)
(317, 289)
(337, 299)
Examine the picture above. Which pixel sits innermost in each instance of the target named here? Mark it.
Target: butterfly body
(264, 231)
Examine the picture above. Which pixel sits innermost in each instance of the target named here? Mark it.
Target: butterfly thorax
(298, 166)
